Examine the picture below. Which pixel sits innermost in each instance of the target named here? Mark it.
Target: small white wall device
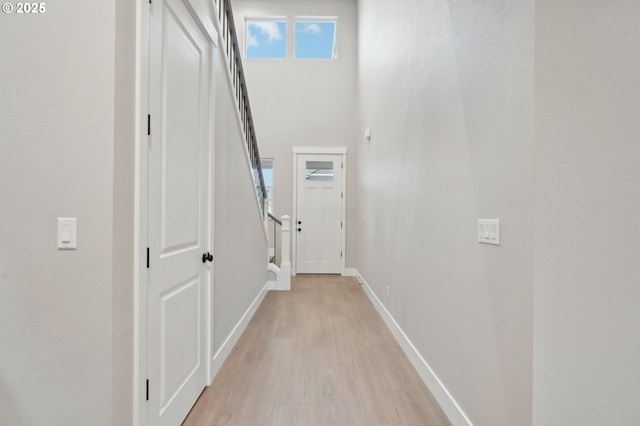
(67, 233)
(489, 231)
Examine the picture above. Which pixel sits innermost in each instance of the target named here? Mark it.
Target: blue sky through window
(267, 174)
(266, 39)
(315, 39)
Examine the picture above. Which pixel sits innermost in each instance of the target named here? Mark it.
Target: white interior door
(318, 225)
(178, 212)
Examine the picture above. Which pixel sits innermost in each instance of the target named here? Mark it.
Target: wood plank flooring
(317, 355)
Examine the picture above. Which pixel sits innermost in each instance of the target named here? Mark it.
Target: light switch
(489, 231)
(67, 233)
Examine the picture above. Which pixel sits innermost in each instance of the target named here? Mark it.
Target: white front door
(319, 210)
(178, 218)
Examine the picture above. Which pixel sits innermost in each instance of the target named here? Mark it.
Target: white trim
(266, 18)
(441, 394)
(343, 228)
(226, 347)
(212, 210)
(352, 272)
(321, 150)
(298, 150)
(294, 215)
(206, 25)
(313, 18)
(140, 218)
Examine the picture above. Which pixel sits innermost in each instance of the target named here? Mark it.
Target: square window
(266, 38)
(316, 38)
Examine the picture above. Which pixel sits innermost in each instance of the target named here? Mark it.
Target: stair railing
(234, 61)
(276, 222)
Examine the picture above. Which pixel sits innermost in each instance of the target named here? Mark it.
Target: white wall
(305, 102)
(57, 160)
(447, 89)
(587, 282)
(240, 243)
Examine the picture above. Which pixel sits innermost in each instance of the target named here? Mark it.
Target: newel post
(286, 238)
(284, 277)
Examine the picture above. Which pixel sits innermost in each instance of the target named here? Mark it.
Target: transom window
(266, 38)
(316, 38)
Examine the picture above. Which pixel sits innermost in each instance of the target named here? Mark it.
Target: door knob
(299, 229)
(207, 257)
(299, 222)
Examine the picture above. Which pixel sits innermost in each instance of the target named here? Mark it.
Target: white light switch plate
(489, 231)
(67, 233)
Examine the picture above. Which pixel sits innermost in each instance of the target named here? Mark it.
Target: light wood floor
(318, 355)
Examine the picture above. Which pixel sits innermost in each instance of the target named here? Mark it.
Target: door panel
(178, 212)
(180, 143)
(319, 209)
(179, 339)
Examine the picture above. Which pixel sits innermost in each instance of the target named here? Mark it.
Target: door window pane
(320, 170)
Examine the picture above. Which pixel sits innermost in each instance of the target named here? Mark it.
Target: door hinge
(149, 117)
(342, 195)
(342, 165)
(148, 257)
(340, 224)
(148, 379)
(340, 254)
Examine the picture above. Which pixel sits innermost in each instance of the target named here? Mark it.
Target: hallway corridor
(317, 355)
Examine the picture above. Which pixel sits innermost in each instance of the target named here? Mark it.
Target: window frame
(270, 18)
(315, 19)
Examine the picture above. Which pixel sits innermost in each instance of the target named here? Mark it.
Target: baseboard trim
(224, 351)
(350, 272)
(437, 388)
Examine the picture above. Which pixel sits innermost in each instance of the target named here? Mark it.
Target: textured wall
(447, 89)
(56, 160)
(587, 286)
